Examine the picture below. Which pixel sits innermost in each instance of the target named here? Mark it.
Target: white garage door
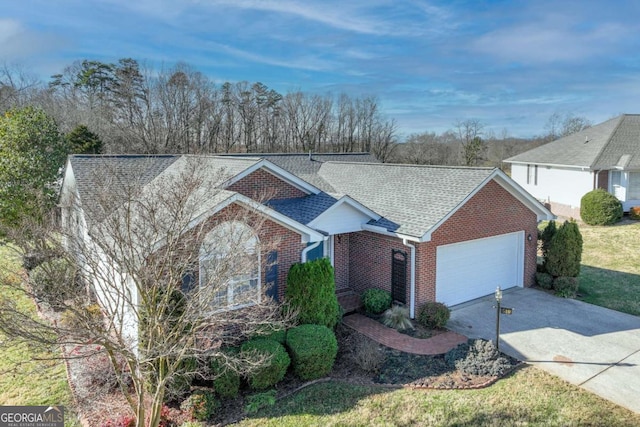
(472, 269)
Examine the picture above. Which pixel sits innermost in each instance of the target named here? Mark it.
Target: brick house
(424, 233)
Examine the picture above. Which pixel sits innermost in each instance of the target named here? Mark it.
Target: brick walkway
(389, 337)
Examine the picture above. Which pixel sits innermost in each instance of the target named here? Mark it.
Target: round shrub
(566, 287)
(375, 301)
(275, 368)
(544, 280)
(433, 315)
(313, 350)
(226, 381)
(598, 207)
(201, 405)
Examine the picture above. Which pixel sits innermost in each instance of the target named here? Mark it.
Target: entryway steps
(349, 301)
(389, 337)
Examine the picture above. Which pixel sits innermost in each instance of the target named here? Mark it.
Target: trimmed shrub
(277, 336)
(481, 358)
(634, 212)
(565, 251)
(226, 381)
(313, 350)
(275, 368)
(311, 291)
(366, 353)
(566, 287)
(201, 405)
(397, 317)
(375, 301)
(599, 207)
(544, 280)
(545, 237)
(433, 315)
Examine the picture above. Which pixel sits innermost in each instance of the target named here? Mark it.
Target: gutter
(412, 297)
(305, 251)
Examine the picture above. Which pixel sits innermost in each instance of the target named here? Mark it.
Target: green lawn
(28, 376)
(610, 274)
(529, 397)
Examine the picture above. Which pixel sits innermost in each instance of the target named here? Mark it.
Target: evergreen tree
(82, 141)
(565, 251)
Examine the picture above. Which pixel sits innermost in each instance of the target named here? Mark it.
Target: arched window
(230, 266)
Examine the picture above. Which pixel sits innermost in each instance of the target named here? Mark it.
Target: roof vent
(586, 139)
(310, 159)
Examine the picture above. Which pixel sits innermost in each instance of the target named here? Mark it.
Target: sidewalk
(389, 337)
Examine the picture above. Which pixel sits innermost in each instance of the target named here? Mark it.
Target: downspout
(412, 298)
(306, 250)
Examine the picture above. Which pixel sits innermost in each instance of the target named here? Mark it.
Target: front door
(399, 276)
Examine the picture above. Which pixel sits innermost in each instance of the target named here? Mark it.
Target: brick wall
(490, 212)
(272, 236)
(370, 260)
(262, 185)
(341, 260)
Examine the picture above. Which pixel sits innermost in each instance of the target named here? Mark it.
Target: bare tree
(160, 272)
(469, 133)
(559, 125)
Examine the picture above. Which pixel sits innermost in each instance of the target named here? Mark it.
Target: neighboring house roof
(411, 198)
(608, 145)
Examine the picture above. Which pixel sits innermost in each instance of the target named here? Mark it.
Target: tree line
(137, 109)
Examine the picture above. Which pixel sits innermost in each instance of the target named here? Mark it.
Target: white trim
(305, 251)
(519, 162)
(381, 230)
(348, 201)
(508, 184)
(276, 171)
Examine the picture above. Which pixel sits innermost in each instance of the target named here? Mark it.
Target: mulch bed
(396, 369)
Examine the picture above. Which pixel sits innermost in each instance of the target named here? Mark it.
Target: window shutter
(188, 282)
(271, 276)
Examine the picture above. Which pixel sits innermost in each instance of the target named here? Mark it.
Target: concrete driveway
(590, 346)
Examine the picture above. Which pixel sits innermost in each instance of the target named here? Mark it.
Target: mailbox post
(498, 302)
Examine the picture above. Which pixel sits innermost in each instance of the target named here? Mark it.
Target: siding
(557, 185)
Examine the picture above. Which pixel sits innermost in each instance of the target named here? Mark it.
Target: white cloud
(550, 41)
(18, 42)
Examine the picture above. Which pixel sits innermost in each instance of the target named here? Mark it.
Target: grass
(528, 397)
(610, 273)
(29, 376)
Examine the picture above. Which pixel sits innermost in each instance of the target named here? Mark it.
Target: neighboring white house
(604, 156)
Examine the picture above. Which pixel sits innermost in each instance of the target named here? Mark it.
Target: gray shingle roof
(307, 170)
(412, 199)
(599, 147)
(96, 175)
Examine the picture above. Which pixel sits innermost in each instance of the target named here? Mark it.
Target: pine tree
(565, 251)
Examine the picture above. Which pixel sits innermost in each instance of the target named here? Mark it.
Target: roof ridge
(597, 157)
(410, 165)
(123, 156)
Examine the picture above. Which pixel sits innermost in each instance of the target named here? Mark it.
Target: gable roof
(306, 166)
(608, 145)
(408, 201)
(413, 198)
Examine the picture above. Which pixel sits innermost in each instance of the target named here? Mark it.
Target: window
(532, 174)
(634, 186)
(230, 266)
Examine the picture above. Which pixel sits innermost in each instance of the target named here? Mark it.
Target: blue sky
(510, 64)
